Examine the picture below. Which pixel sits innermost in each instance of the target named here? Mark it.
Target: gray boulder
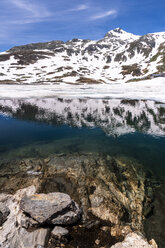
(52, 208)
(59, 235)
(69, 217)
(133, 240)
(59, 232)
(12, 234)
(25, 239)
(4, 212)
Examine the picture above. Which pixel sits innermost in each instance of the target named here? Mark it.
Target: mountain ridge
(118, 56)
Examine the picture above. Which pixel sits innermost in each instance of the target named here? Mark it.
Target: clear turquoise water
(32, 134)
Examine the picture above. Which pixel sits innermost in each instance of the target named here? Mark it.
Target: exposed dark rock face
(27, 57)
(134, 70)
(4, 57)
(143, 45)
(40, 46)
(120, 57)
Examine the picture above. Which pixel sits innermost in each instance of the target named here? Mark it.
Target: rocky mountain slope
(119, 56)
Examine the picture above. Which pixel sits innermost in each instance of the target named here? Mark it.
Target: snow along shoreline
(153, 89)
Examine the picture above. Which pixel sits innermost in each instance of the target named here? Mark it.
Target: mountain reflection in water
(114, 117)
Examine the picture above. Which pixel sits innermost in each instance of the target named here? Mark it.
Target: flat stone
(59, 236)
(42, 207)
(52, 208)
(59, 232)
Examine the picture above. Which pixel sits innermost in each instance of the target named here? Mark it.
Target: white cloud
(80, 7)
(20, 19)
(105, 14)
(18, 13)
(36, 10)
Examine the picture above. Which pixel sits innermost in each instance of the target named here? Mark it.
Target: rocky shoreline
(75, 200)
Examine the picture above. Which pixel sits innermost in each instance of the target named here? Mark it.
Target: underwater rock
(69, 217)
(26, 209)
(30, 239)
(59, 235)
(52, 208)
(133, 240)
(59, 232)
(110, 189)
(11, 228)
(115, 194)
(4, 212)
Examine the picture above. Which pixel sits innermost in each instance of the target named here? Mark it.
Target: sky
(29, 21)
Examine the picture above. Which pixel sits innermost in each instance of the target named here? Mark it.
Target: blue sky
(27, 21)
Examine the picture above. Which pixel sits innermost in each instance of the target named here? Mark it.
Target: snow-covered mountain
(118, 56)
(115, 117)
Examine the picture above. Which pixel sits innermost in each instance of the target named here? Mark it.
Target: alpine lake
(130, 129)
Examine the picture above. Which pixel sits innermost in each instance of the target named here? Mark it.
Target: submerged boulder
(133, 240)
(27, 209)
(52, 208)
(113, 190)
(30, 239)
(59, 235)
(59, 232)
(116, 195)
(4, 212)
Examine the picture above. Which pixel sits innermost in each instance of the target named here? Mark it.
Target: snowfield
(153, 89)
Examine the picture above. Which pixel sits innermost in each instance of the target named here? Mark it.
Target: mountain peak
(119, 33)
(118, 30)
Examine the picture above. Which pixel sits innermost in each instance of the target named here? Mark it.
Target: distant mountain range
(119, 56)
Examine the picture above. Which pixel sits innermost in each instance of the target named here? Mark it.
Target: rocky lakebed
(78, 201)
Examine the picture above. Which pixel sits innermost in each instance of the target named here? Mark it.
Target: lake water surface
(40, 127)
